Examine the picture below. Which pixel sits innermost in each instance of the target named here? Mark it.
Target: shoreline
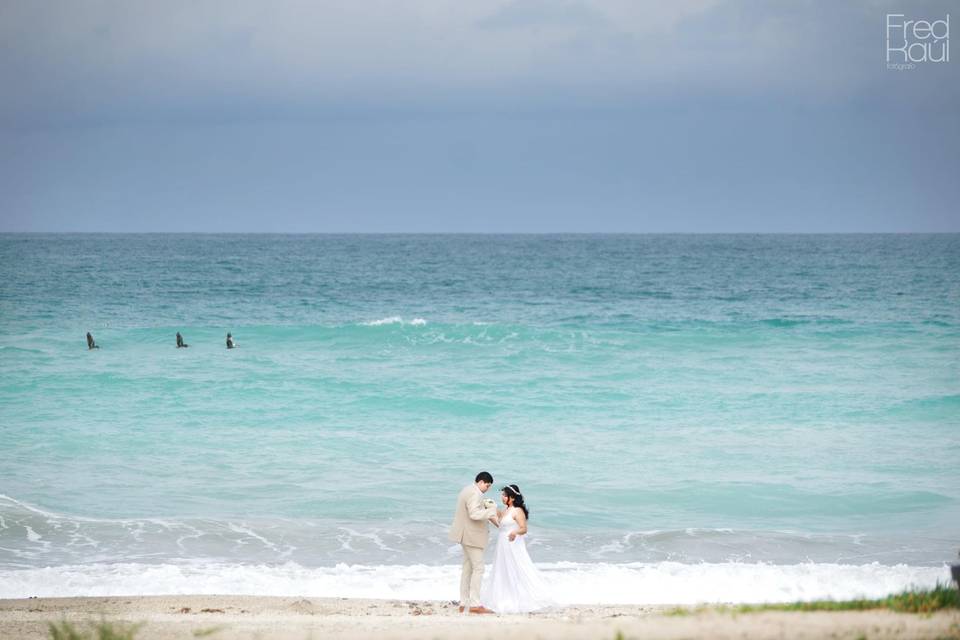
(267, 617)
(661, 583)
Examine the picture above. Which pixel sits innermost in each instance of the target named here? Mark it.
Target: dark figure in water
(90, 343)
(180, 343)
(230, 344)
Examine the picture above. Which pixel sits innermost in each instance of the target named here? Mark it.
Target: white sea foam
(574, 583)
(416, 322)
(383, 321)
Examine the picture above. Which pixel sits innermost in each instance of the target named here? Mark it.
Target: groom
(469, 528)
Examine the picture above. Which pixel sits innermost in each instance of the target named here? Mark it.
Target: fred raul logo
(913, 42)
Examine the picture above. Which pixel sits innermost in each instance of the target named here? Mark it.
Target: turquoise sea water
(736, 405)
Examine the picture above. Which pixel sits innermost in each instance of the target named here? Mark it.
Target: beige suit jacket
(470, 519)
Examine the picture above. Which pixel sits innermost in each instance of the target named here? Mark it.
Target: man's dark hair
(483, 476)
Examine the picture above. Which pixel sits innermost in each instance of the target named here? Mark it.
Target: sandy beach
(242, 617)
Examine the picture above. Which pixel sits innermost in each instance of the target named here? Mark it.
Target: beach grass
(943, 596)
(95, 631)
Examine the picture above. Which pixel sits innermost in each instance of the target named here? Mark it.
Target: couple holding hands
(515, 585)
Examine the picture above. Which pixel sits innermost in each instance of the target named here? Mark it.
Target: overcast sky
(489, 116)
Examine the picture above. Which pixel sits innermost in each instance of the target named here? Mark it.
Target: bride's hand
(513, 536)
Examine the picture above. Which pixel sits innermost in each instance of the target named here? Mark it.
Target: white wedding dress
(514, 585)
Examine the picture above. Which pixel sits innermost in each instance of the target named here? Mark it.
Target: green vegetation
(208, 631)
(96, 631)
(943, 596)
(910, 601)
(111, 631)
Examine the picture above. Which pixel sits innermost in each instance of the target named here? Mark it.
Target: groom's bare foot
(480, 610)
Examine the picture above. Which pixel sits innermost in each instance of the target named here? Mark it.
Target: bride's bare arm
(521, 519)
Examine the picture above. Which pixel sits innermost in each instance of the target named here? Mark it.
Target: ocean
(692, 418)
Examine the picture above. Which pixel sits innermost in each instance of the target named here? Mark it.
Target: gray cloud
(443, 115)
(538, 14)
(151, 59)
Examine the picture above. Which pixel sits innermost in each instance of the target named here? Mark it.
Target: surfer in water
(230, 344)
(90, 343)
(180, 343)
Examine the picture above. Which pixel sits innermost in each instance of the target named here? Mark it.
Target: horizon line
(481, 233)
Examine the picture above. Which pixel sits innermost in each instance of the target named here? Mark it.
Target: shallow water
(661, 400)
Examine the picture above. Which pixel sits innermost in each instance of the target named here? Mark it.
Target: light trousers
(471, 576)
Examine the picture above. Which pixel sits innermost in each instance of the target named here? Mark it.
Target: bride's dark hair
(513, 491)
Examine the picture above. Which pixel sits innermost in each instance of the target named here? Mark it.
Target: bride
(515, 585)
